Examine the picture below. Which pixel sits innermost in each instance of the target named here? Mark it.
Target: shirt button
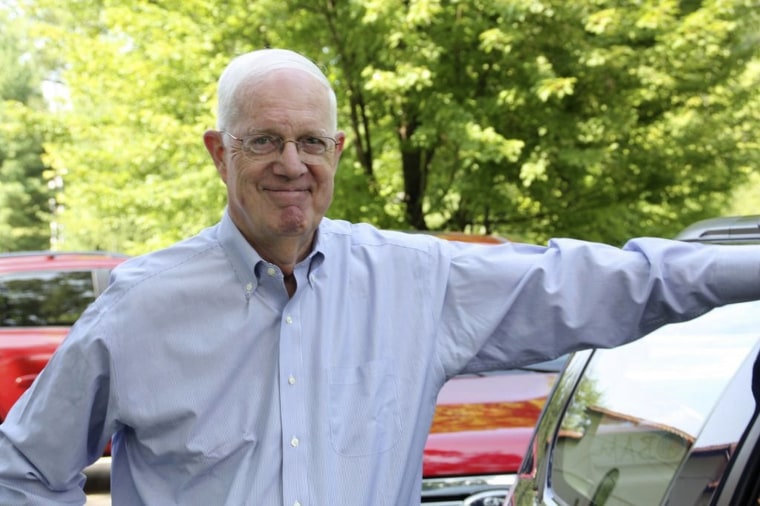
(294, 442)
(291, 380)
(249, 287)
(288, 319)
(271, 271)
(297, 503)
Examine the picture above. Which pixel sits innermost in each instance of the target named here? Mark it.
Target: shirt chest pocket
(364, 409)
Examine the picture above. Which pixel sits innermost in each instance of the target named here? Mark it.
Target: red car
(480, 432)
(41, 296)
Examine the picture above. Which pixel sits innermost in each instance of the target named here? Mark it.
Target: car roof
(29, 261)
(728, 229)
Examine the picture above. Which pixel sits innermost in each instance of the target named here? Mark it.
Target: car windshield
(47, 298)
(678, 399)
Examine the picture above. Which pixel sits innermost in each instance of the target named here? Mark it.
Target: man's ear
(215, 146)
(340, 143)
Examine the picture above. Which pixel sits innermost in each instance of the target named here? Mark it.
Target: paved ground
(98, 500)
(97, 485)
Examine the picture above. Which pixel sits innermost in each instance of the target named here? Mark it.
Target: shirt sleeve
(518, 304)
(57, 427)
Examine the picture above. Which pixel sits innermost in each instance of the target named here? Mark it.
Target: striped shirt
(219, 389)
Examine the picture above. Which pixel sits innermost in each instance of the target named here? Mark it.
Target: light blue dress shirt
(219, 389)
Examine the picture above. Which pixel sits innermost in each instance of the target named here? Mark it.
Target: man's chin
(294, 222)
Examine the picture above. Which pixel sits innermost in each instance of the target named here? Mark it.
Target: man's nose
(289, 162)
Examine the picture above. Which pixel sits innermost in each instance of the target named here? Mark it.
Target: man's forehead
(284, 88)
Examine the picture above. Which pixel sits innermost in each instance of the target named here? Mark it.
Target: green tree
(25, 212)
(528, 118)
(594, 119)
(135, 169)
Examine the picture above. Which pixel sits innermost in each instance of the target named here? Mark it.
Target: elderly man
(283, 358)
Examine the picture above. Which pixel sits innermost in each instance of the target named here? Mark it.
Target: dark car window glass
(642, 409)
(44, 298)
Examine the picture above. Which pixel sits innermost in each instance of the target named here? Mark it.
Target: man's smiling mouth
(287, 195)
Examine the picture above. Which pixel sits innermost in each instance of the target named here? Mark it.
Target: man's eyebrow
(270, 131)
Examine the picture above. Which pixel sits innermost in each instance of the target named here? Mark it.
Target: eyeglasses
(265, 144)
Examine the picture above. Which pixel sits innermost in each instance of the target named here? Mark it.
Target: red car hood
(483, 424)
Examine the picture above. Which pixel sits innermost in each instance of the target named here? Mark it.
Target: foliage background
(24, 192)
(525, 118)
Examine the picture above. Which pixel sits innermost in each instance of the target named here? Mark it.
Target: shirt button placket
(291, 405)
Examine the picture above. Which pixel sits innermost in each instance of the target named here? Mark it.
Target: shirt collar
(241, 255)
(317, 256)
(244, 258)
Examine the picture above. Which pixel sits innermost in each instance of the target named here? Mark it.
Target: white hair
(257, 64)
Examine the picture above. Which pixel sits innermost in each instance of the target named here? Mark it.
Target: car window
(661, 416)
(47, 298)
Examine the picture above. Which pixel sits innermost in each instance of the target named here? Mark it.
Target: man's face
(287, 192)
